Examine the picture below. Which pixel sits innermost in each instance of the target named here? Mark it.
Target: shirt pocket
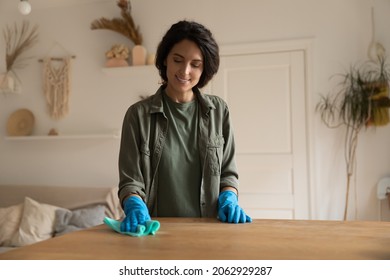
(214, 154)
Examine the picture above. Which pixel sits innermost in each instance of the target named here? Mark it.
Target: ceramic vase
(6, 82)
(151, 59)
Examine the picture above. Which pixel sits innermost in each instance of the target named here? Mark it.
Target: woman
(177, 149)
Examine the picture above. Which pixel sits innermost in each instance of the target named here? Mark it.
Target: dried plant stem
(351, 143)
(17, 42)
(124, 26)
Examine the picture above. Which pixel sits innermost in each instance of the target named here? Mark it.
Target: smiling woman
(177, 151)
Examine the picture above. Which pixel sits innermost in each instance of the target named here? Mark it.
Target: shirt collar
(157, 101)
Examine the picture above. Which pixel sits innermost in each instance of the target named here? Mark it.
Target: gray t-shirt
(179, 171)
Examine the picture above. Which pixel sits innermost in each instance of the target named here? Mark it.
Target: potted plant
(125, 26)
(117, 56)
(361, 99)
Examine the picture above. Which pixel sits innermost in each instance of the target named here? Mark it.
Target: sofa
(30, 214)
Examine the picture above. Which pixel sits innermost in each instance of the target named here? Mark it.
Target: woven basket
(20, 123)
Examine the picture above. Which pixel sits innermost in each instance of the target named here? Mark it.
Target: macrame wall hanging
(56, 85)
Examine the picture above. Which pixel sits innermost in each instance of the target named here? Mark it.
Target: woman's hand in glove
(229, 210)
(136, 214)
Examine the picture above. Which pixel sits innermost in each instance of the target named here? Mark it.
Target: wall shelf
(63, 137)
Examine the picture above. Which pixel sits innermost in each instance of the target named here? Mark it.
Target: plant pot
(139, 55)
(116, 62)
(380, 103)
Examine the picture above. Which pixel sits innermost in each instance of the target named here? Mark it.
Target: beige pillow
(9, 223)
(37, 223)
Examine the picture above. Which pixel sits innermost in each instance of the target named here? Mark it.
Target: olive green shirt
(144, 131)
(179, 172)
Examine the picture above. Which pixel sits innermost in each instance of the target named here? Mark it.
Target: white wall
(340, 30)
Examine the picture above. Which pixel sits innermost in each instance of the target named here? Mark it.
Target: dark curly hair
(196, 33)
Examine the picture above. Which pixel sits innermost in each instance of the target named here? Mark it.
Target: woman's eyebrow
(179, 55)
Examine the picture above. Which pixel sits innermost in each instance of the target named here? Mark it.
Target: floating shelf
(63, 137)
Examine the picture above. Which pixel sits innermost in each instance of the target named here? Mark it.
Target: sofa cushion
(37, 223)
(9, 223)
(68, 221)
(69, 197)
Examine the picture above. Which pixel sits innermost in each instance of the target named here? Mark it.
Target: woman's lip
(182, 80)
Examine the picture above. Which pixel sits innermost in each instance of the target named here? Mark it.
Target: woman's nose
(186, 69)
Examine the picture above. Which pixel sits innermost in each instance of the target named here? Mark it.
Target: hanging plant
(124, 25)
(18, 40)
(361, 99)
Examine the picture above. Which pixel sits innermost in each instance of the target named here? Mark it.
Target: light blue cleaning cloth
(151, 227)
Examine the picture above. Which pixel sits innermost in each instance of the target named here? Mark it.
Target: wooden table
(209, 239)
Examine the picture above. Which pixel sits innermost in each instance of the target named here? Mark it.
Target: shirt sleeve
(229, 173)
(130, 175)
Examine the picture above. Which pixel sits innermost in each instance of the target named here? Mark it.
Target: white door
(265, 92)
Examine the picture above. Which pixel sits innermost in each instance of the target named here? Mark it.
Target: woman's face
(184, 67)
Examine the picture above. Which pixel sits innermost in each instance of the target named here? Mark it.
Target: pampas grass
(17, 42)
(124, 25)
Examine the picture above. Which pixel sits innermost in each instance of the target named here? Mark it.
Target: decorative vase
(116, 62)
(6, 82)
(151, 59)
(139, 55)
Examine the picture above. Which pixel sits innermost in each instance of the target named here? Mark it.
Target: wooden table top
(209, 239)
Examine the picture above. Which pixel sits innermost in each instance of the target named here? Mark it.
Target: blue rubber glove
(136, 214)
(228, 209)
